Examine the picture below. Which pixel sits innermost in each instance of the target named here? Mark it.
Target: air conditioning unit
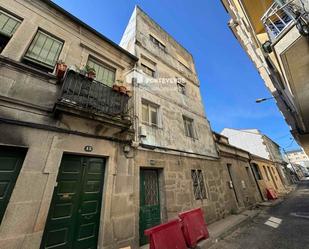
(142, 132)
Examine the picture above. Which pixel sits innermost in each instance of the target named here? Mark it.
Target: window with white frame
(104, 73)
(189, 127)
(43, 51)
(150, 114)
(199, 188)
(8, 26)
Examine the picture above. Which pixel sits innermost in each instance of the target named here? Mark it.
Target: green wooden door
(11, 160)
(149, 202)
(74, 216)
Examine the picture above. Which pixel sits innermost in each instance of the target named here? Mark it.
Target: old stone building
(62, 150)
(243, 187)
(177, 154)
(266, 152)
(84, 164)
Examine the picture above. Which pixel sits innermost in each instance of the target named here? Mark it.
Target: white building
(299, 157)
(258, 144)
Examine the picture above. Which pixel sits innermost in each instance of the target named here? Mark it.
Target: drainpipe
(136, 141)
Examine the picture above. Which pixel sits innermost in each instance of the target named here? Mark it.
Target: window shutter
(104, 74)
(8, 24)
(145, 113)
(44, 49)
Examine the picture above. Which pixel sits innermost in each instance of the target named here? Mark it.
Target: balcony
(278, 17)
(92, 99)
(282, 14)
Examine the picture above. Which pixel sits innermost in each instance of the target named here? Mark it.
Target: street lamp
(263, 99)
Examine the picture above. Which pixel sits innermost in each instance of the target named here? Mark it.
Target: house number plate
(88, 148)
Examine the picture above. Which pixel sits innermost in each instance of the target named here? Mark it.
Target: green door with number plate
(11, 160)
(74, 215)
(150, 214)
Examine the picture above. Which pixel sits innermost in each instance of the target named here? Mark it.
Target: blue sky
(229, 81)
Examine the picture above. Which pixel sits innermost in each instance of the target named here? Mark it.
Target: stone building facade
(267, 176)
(84, 166)
(62, 157)
(262, 148)
(243, 187)
(258, 144)
(175, 140)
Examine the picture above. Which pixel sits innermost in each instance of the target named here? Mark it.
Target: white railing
(279, 16)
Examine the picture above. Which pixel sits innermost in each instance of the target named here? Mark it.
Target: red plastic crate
(271, 194)
(166, 236)
(194, 226)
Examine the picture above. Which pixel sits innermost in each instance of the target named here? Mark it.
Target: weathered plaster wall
(251, 141)
(179, 187)
(24, 221)
(172, 105)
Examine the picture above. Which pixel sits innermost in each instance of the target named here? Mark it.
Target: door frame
(161, 193)
(255, 178)
(21, 149)
(229, 169)
(103, 203)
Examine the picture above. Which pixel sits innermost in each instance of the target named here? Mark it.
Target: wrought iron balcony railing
(93, 97)
(278, 17)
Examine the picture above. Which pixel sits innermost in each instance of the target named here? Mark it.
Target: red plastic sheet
(271, 194)
(194, 227)
(166, 236)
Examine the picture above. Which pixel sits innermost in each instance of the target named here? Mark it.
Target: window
(257, 172)
(249, 175)
(8, 26)
(148, 70)
(44, 51)
(266, 173)
(104, 74)
(157, 42)
(198, 184)
(188, 124)
(181, 88)
(149, 114)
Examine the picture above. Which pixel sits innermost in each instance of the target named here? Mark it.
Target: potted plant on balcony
(123, 89)
(116, 88)
(129, 93)
(90, 72)
(61, 67)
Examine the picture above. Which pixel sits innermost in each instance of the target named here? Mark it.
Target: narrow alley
(285, 226)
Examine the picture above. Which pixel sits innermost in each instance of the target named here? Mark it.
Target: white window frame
(150, 107)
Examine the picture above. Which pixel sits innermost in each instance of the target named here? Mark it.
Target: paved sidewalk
(224, 227)
(220, 229)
